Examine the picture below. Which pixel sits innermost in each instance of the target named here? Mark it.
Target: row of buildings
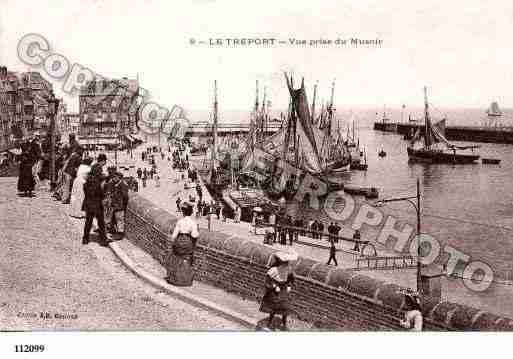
(107, 110)
(24, 106)
(107, 113)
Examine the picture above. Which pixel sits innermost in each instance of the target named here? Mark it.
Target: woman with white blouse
(181, 255)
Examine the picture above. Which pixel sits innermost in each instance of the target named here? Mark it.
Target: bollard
(430, 282)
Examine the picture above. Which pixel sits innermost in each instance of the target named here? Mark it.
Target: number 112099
(26, 348)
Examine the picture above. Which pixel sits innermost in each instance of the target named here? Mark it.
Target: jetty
(454, 133)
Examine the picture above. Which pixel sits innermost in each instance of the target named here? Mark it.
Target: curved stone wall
(329, 296)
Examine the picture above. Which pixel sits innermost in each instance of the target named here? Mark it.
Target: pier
(454, 133)
(204, 129)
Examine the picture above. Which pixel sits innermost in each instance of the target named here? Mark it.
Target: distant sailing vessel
(494, 110)
(436, 148)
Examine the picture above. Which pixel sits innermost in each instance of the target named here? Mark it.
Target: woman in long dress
(26, 181)
(278, 285)
(77, 192)
(181, 255)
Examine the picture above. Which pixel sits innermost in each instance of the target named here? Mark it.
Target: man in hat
(290, 231)
(93, 205)
(272, 224)
(73, 143)
(70, 172)
(101, 161)
(320, 228)
(356, 237)
(178, 201)
(119, 202)
(333, 253)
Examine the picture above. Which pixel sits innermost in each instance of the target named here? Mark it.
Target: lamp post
(53, 104)
(410, 199)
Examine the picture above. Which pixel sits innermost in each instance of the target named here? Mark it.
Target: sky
(462, 52)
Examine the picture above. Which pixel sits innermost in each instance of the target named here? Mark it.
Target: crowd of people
(89, 189)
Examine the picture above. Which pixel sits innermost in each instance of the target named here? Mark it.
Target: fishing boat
(367, 192)
(490, 161)
(358, 165)
(305, 148)
(334, 151)
(436, 148)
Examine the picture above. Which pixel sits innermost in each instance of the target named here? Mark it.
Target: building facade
(71, 123)
(23, 105)
(107, 112)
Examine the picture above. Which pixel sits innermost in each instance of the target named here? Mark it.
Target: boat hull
(491, 161)
(441, 157)
(338, 167)
(367, 192)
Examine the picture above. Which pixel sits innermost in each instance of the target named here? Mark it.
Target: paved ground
(44, 268)
(248, 308)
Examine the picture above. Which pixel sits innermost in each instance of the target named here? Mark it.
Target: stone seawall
(330, 297)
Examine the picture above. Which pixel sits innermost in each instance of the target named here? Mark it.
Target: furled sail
(304, 130)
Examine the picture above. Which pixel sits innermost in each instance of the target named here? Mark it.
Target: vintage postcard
(255, 166)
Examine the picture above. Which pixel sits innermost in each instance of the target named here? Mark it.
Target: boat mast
(214, 132)
(263, 116)
(353, 129)
(331, 106)
(427, 128)
(290, 114)
(313, 103)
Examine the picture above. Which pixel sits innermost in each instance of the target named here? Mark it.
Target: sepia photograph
(226, 167)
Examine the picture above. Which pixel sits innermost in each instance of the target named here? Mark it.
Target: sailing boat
(216, 176)
(437, 149)
(334, 151)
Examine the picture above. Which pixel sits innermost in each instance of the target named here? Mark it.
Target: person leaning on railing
(413, 319)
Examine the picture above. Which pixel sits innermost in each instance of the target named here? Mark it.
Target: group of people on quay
(89, 189)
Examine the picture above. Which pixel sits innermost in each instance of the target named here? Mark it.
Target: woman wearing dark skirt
(26, 181)
(278, 285)
(181, 255)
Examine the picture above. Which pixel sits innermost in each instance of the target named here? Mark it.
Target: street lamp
(417, 209)
(53, 105)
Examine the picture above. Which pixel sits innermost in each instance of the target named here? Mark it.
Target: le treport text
(292, 42)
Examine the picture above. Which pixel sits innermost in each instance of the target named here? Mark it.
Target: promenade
(50, 281)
